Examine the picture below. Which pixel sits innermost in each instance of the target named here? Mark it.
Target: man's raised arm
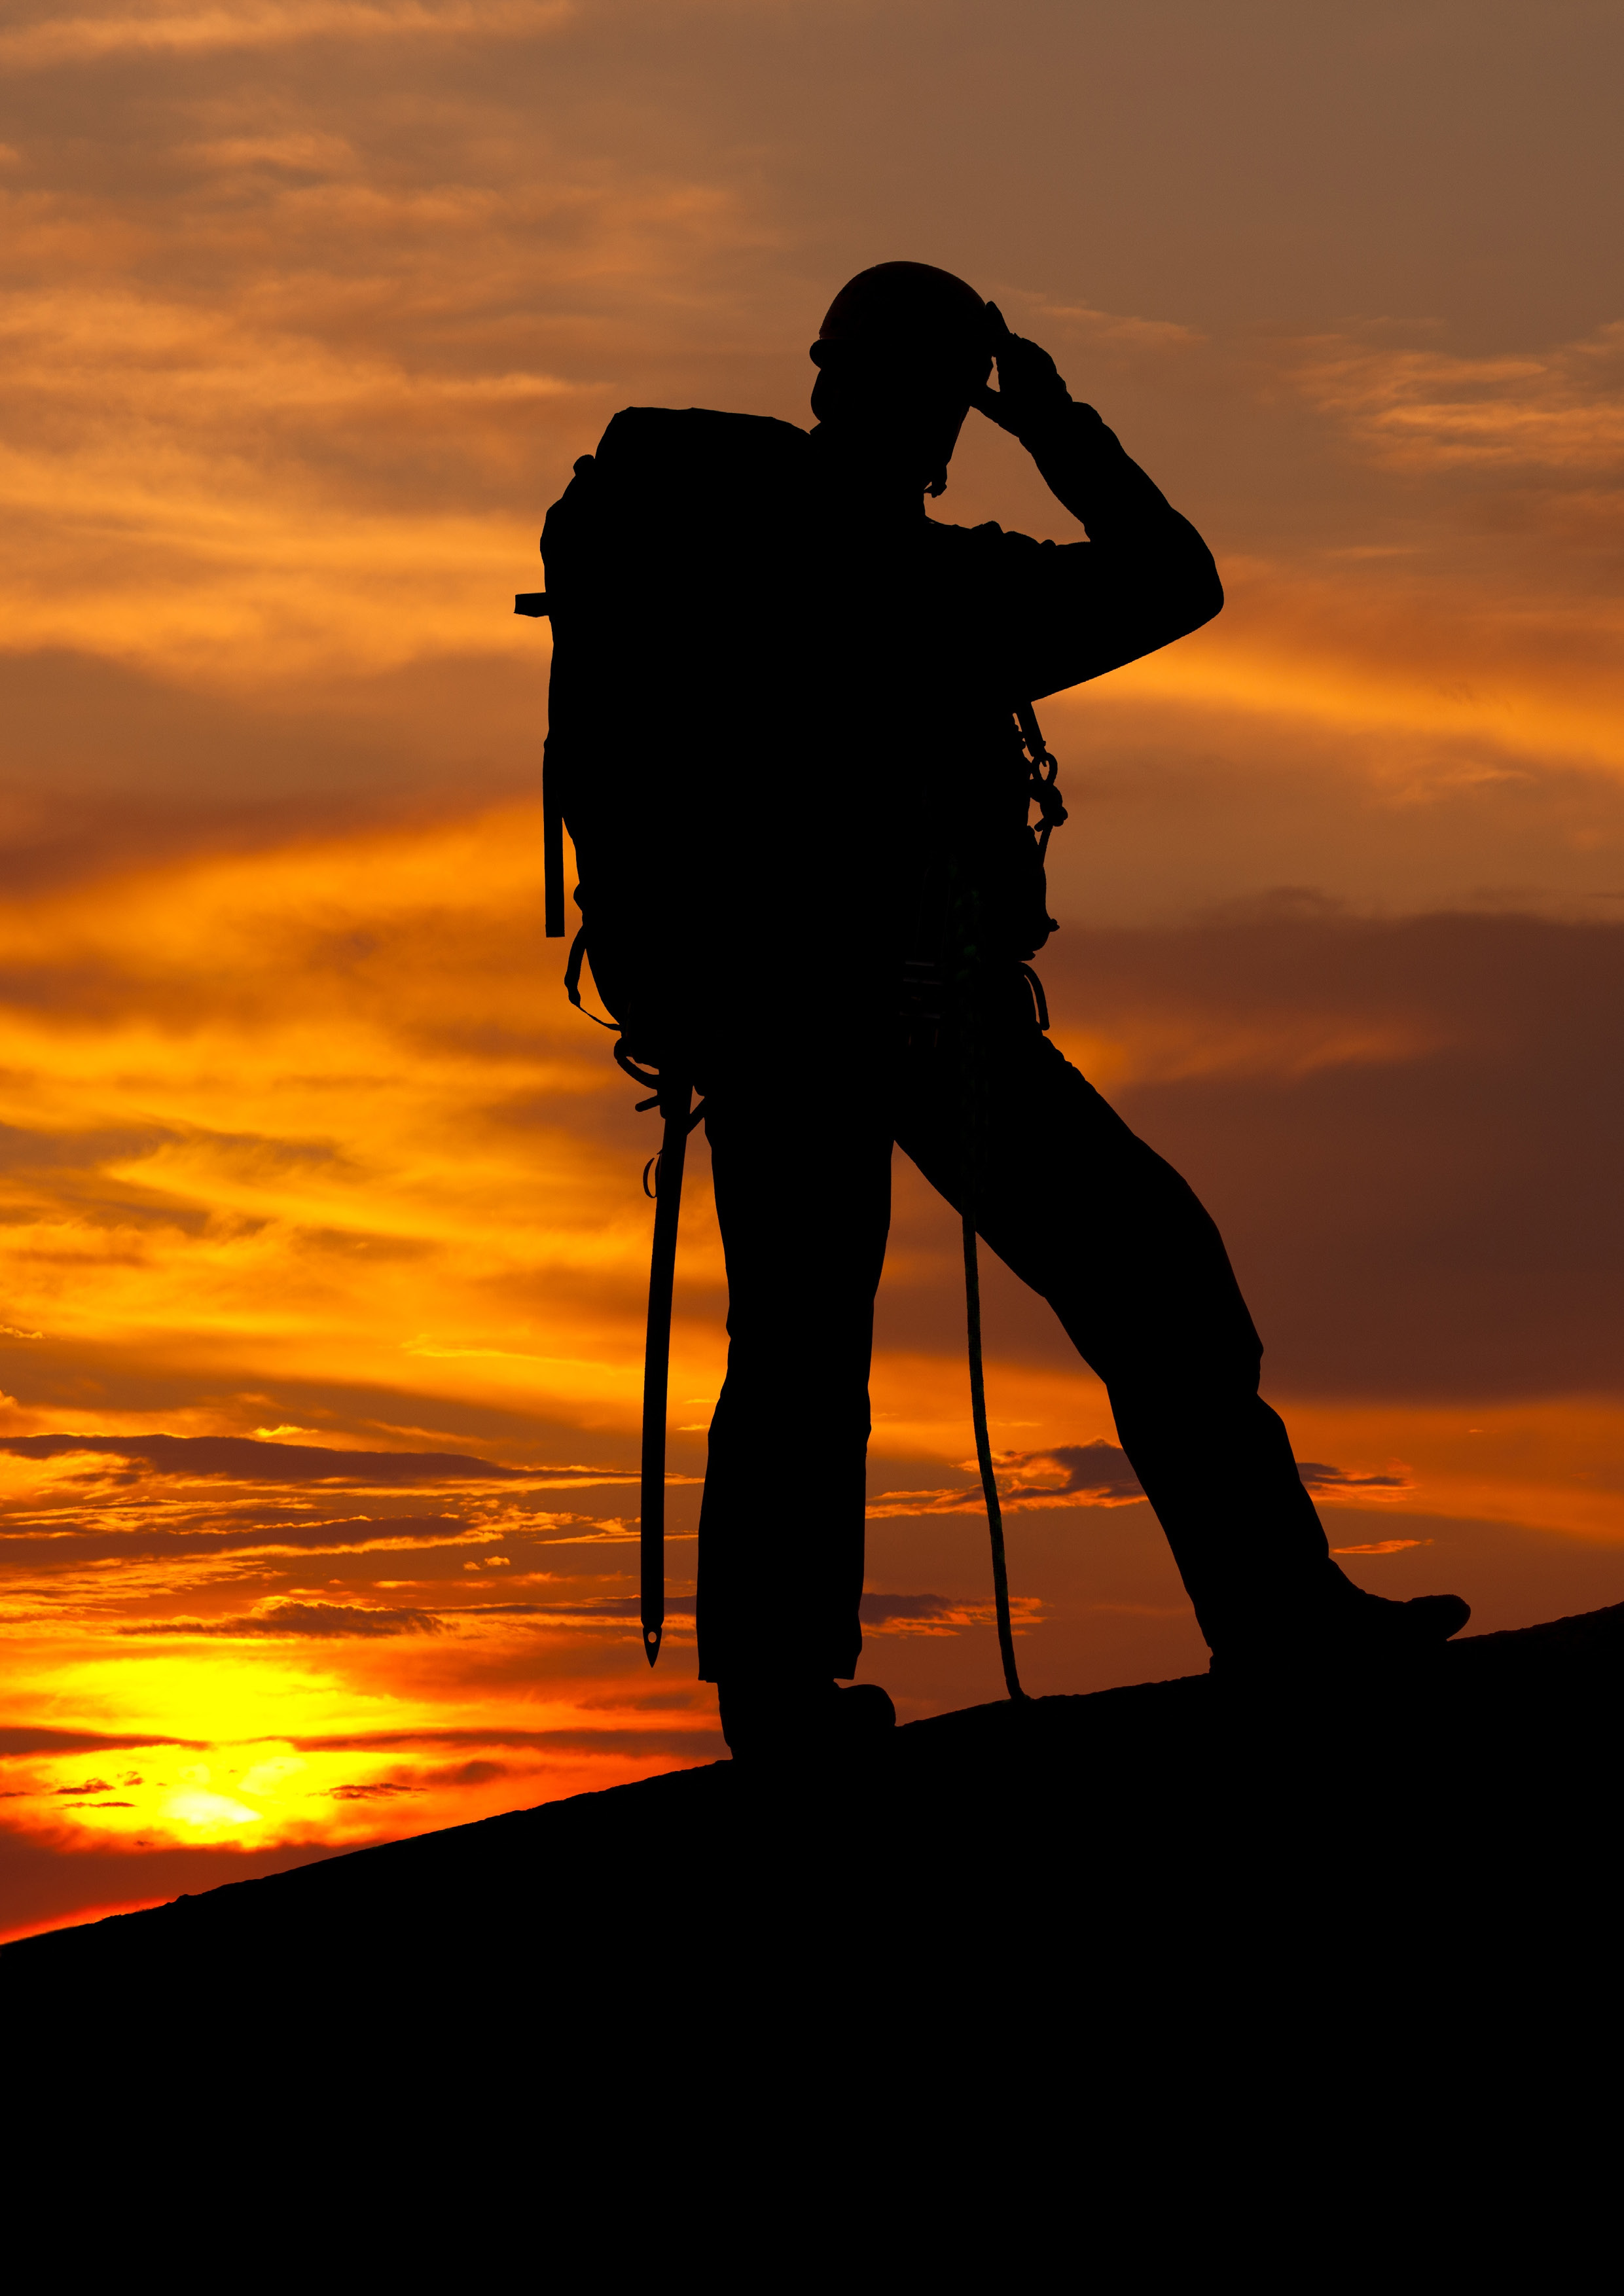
(1146, 577)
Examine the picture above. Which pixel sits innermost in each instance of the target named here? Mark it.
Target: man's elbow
(1204, 594)
(1178, 606)
(1181, 589)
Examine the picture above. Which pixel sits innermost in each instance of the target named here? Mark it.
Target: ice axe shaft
(666, 1191)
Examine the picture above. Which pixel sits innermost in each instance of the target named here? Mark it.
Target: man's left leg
(1117, 1243)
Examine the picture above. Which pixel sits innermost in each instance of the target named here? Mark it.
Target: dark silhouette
(787, 733)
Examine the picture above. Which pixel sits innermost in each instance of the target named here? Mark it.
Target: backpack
(683, 585)
(667, 645)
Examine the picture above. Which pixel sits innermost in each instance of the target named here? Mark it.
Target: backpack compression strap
(534, 602)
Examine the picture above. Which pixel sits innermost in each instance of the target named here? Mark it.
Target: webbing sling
(672, 1098)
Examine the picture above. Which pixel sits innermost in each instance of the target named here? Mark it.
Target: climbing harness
(673, 1095)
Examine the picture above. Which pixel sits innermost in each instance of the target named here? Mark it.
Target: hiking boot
(1340, 1629)
(765, 1721)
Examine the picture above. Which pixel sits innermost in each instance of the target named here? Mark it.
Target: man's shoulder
(698, 443)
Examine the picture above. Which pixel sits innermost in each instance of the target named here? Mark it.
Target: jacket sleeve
(1072, 611)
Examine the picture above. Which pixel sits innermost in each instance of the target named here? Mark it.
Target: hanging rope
(1045, 795)
(983, 1452)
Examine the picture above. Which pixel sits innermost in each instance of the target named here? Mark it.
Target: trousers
(1078, 1208)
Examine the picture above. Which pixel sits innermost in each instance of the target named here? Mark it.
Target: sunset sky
(309, 306)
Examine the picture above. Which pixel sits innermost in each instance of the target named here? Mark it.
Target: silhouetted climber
(782, 731)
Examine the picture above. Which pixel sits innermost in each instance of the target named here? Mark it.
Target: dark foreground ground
(1157, 1903)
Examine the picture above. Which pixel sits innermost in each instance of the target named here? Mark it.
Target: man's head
(903, 352)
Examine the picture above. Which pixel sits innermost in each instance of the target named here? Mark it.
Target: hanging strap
(667, 1192)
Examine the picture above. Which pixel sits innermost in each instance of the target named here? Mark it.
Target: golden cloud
(164, 29)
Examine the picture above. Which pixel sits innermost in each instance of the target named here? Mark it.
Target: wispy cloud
(941, 1614)
(164, 29)
(1120, 330)
(1083, 1474)
(1344, 1482)
(1428, 409)
(240, 1459)
(304, 1621)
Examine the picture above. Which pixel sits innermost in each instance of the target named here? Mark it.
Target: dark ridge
(1486, 1695)
(1116, 1879)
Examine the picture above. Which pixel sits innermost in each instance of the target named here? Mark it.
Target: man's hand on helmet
(1030, 395)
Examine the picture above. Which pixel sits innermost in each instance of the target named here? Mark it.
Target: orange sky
(308, 309)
